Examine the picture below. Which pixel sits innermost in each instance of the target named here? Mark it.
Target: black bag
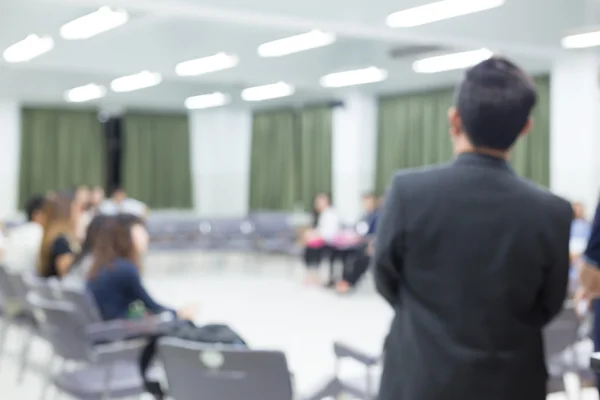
(210, 334)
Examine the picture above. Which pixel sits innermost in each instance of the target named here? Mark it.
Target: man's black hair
(34, 204)
(116, 190)
(495, 101)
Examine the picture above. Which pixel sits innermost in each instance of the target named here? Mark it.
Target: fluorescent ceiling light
(206, 101)
(138, 81)
(205, 65)
(355, 77)
(581, 40)
(102, 20)
(29, 48)
(438, 11)
(266, 92)
(295, 44)
(451, 62)
(85, 93)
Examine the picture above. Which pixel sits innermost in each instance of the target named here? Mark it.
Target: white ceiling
(162, 33)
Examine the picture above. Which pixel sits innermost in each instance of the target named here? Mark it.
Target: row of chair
(107, 353)
(265, 232)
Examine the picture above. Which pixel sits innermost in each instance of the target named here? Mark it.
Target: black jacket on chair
(474, 260)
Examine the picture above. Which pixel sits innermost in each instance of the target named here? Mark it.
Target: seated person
(23, 242)
(114, 279)
(83, 261)
(119, 203)
(59, 242)
(326, 226)
(356, 266)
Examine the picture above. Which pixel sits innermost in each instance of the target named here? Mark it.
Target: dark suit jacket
(475, 262)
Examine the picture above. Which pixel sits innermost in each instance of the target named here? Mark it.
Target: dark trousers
(313, 256)
(355, 267)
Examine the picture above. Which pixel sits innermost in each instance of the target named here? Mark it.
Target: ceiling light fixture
(85, 93)
(295, 44)
(354, 77)
(216, 99)
(438, 11)
(581, 40)
(102, 20)
(451, 62)
(206, 65)
(29, 48)
(138, 81)
(267, 92)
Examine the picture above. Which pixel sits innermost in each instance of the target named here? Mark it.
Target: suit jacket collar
(482, 160)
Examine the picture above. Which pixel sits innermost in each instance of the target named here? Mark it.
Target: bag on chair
(185, 330)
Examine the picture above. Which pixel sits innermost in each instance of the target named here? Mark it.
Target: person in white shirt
(23, 242)
(119, 203)
(326, 226)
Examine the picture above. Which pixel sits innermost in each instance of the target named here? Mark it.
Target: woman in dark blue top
(114, 279)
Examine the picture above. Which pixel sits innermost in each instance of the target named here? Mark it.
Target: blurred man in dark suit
(473, 258)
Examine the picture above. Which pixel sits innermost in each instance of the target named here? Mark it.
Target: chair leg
(4, 335)
(25, 355)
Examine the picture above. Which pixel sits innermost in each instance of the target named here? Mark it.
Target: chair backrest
(272, 223)
(83, 303)
(7, 291)
(62, 326)
(230, 227)
(223, 373)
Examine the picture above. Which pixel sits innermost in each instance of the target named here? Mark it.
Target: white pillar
(575, 128)
(10, 139)
(220, 157)
(354, 148)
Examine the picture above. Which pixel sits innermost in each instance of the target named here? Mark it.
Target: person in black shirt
(59, 244)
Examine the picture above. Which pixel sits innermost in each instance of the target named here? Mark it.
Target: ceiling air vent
(412, 51)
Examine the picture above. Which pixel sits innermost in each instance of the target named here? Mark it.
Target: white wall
(220, 157)
(575, 129)
(354, 148)
(10, 135)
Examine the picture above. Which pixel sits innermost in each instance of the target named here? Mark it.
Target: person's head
(83, 195)
(578, 210)
(34, 209)
(60, 214)
(492, 108)
(98, 195)
(322, 202)
(96, 226)
(123, 236)
(118, 195)
(369, 202)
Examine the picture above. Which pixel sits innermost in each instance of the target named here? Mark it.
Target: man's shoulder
(544, 196)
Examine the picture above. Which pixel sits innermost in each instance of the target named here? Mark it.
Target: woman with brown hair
(59, 242)
(115, 280)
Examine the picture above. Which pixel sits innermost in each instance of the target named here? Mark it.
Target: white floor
(265, 301)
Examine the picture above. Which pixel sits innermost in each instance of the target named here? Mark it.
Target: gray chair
(16, 314)
(223, 373)
(362, 388)
(109, 371)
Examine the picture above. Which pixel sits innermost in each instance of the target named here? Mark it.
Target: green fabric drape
(156, 160)
(60, 149)
(291, 158)
(274, 180)
(413, 132)
(531, 155)
(315, 153)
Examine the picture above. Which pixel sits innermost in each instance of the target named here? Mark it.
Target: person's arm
(63, 255)
(133, 282)
(556, 279)
(388, 247)
(589, 274)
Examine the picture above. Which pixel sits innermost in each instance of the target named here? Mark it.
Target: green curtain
(315, 153)
(274, 161)
(60, 149)
(531, 155)
(156, 160)
(412, 132)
